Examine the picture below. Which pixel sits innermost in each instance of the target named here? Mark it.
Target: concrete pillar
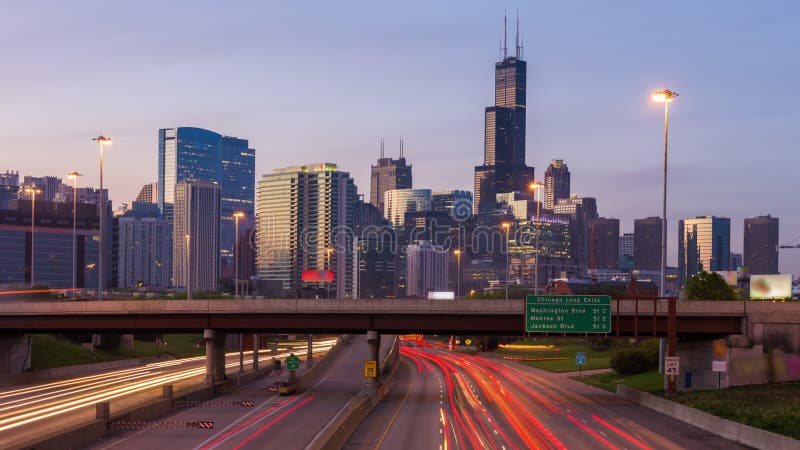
(310, 354)
(372, 344)
(378, 353)
(167, 391)
(215, 356)
(275, 347)
(241, 352)
(256, 347)
(103, 411)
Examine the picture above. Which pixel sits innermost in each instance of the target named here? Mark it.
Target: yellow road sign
(370, 368)
(468, 341)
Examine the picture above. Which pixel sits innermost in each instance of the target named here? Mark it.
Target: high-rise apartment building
(49, 186)
(704, 243)
(144, 253)
(647, 243)
(580, 210)
(626, 251)
(194, 153)
(389, 174)
(148, 193)
(427, 267)
(761, 244)
(504, 168)
(9, 188)
(556, 183)
(400, 201)
(604, 243)
(305, 217)
(196, 235)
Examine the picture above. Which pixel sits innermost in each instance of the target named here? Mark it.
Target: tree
(709, 286)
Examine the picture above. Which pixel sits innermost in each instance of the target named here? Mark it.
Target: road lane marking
(394, 417)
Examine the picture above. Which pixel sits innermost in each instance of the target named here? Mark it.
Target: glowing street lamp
(236, 217)
(74, 177)
(33, 190)
(101, 141)
(328, 252)
(537, 186)
(188, 238)
(665, 96)
(458, 272)
(507, 226)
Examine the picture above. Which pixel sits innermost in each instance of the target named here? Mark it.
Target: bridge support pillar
(310, 354)
(275, 347)
(373, 344)
(256, 347)
(215, 356)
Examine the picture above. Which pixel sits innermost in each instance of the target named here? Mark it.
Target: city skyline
(599, 120)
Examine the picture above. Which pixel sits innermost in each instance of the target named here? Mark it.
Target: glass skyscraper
(194, 153)
(704, 244)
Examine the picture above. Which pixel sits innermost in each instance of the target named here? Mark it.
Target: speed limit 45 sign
(671, 365)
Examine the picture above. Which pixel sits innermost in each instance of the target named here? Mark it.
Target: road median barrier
(728, 429)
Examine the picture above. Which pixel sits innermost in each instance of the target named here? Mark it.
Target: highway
(31, 410)
(283, 422)
(450, 400)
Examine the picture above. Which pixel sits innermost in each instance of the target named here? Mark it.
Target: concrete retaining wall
(734, 431)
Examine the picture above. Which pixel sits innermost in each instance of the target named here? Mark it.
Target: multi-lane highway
(281, 422)
(449, 400)
(33, 410)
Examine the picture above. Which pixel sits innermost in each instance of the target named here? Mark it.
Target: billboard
(318, 276)
(770, 286)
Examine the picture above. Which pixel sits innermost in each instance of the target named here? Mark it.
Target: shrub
(639, 359)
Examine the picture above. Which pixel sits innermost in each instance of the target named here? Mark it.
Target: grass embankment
(557, 355)
(49, 351)
(772, 407)
(651, 381)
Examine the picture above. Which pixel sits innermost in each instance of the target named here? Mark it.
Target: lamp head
(664, 96)
(104, 140)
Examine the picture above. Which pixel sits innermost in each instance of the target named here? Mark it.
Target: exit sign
(568, 313)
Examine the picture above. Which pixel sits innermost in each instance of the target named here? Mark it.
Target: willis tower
(504, 168)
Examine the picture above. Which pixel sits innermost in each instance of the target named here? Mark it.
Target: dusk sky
(325, 82)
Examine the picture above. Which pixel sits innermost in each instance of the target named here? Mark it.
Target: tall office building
(504, 168)
(704, 243)
(305, 217)
(556, 183)
(9, 188)
(604, 243)
(580, 210)
(427, 267)
(647, 243)
(389, 174)
(737, 261)
(456, 203)
(144, 254)
(761, 244)
(400, 201)
(196, 222)
(626, 251)
(49, 186)
(148, 193)
(194, 153)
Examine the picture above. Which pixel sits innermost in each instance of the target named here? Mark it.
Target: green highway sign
(292, 362)
(568, 313)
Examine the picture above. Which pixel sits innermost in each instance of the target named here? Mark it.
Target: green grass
(774, 407)
(49, 351)
(650, 381)
(560, 348)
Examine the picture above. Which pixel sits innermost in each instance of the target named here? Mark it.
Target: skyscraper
(194, 153)
(388, 174)
(400, 201)
(504, 168)
(604, 243)
(704, 243)
(427, 269)
(647, 243)
(761, 244)
(556, 183)
(148, 193)
(581, 210)
(145, 248)
(626, 250)
(196, 223)
(305, 215)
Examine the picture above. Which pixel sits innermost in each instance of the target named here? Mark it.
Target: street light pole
(665, 96)
(236, 217)
(507, 226)
(33, 190)
(458, 272)
(74, 177)
(188, 268)
(328, 251)
(101, 141)
(538, 187)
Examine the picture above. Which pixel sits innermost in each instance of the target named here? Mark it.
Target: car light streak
(625, 435)
(594, 434)
(273, 422)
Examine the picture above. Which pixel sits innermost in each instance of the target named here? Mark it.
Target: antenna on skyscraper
(381, 148)
(521, 48)
(505, 34)
(401, 147)
(516, 36)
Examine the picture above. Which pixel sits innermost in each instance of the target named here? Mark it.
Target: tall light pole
(188, 267)
(458, 272)
(537, 186)
(101, 141)
(74, 177)
(665, 96)
(328, 252)
(33, 190)
(507, 226)
(236, 217)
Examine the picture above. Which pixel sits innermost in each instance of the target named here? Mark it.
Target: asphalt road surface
(446, 400)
